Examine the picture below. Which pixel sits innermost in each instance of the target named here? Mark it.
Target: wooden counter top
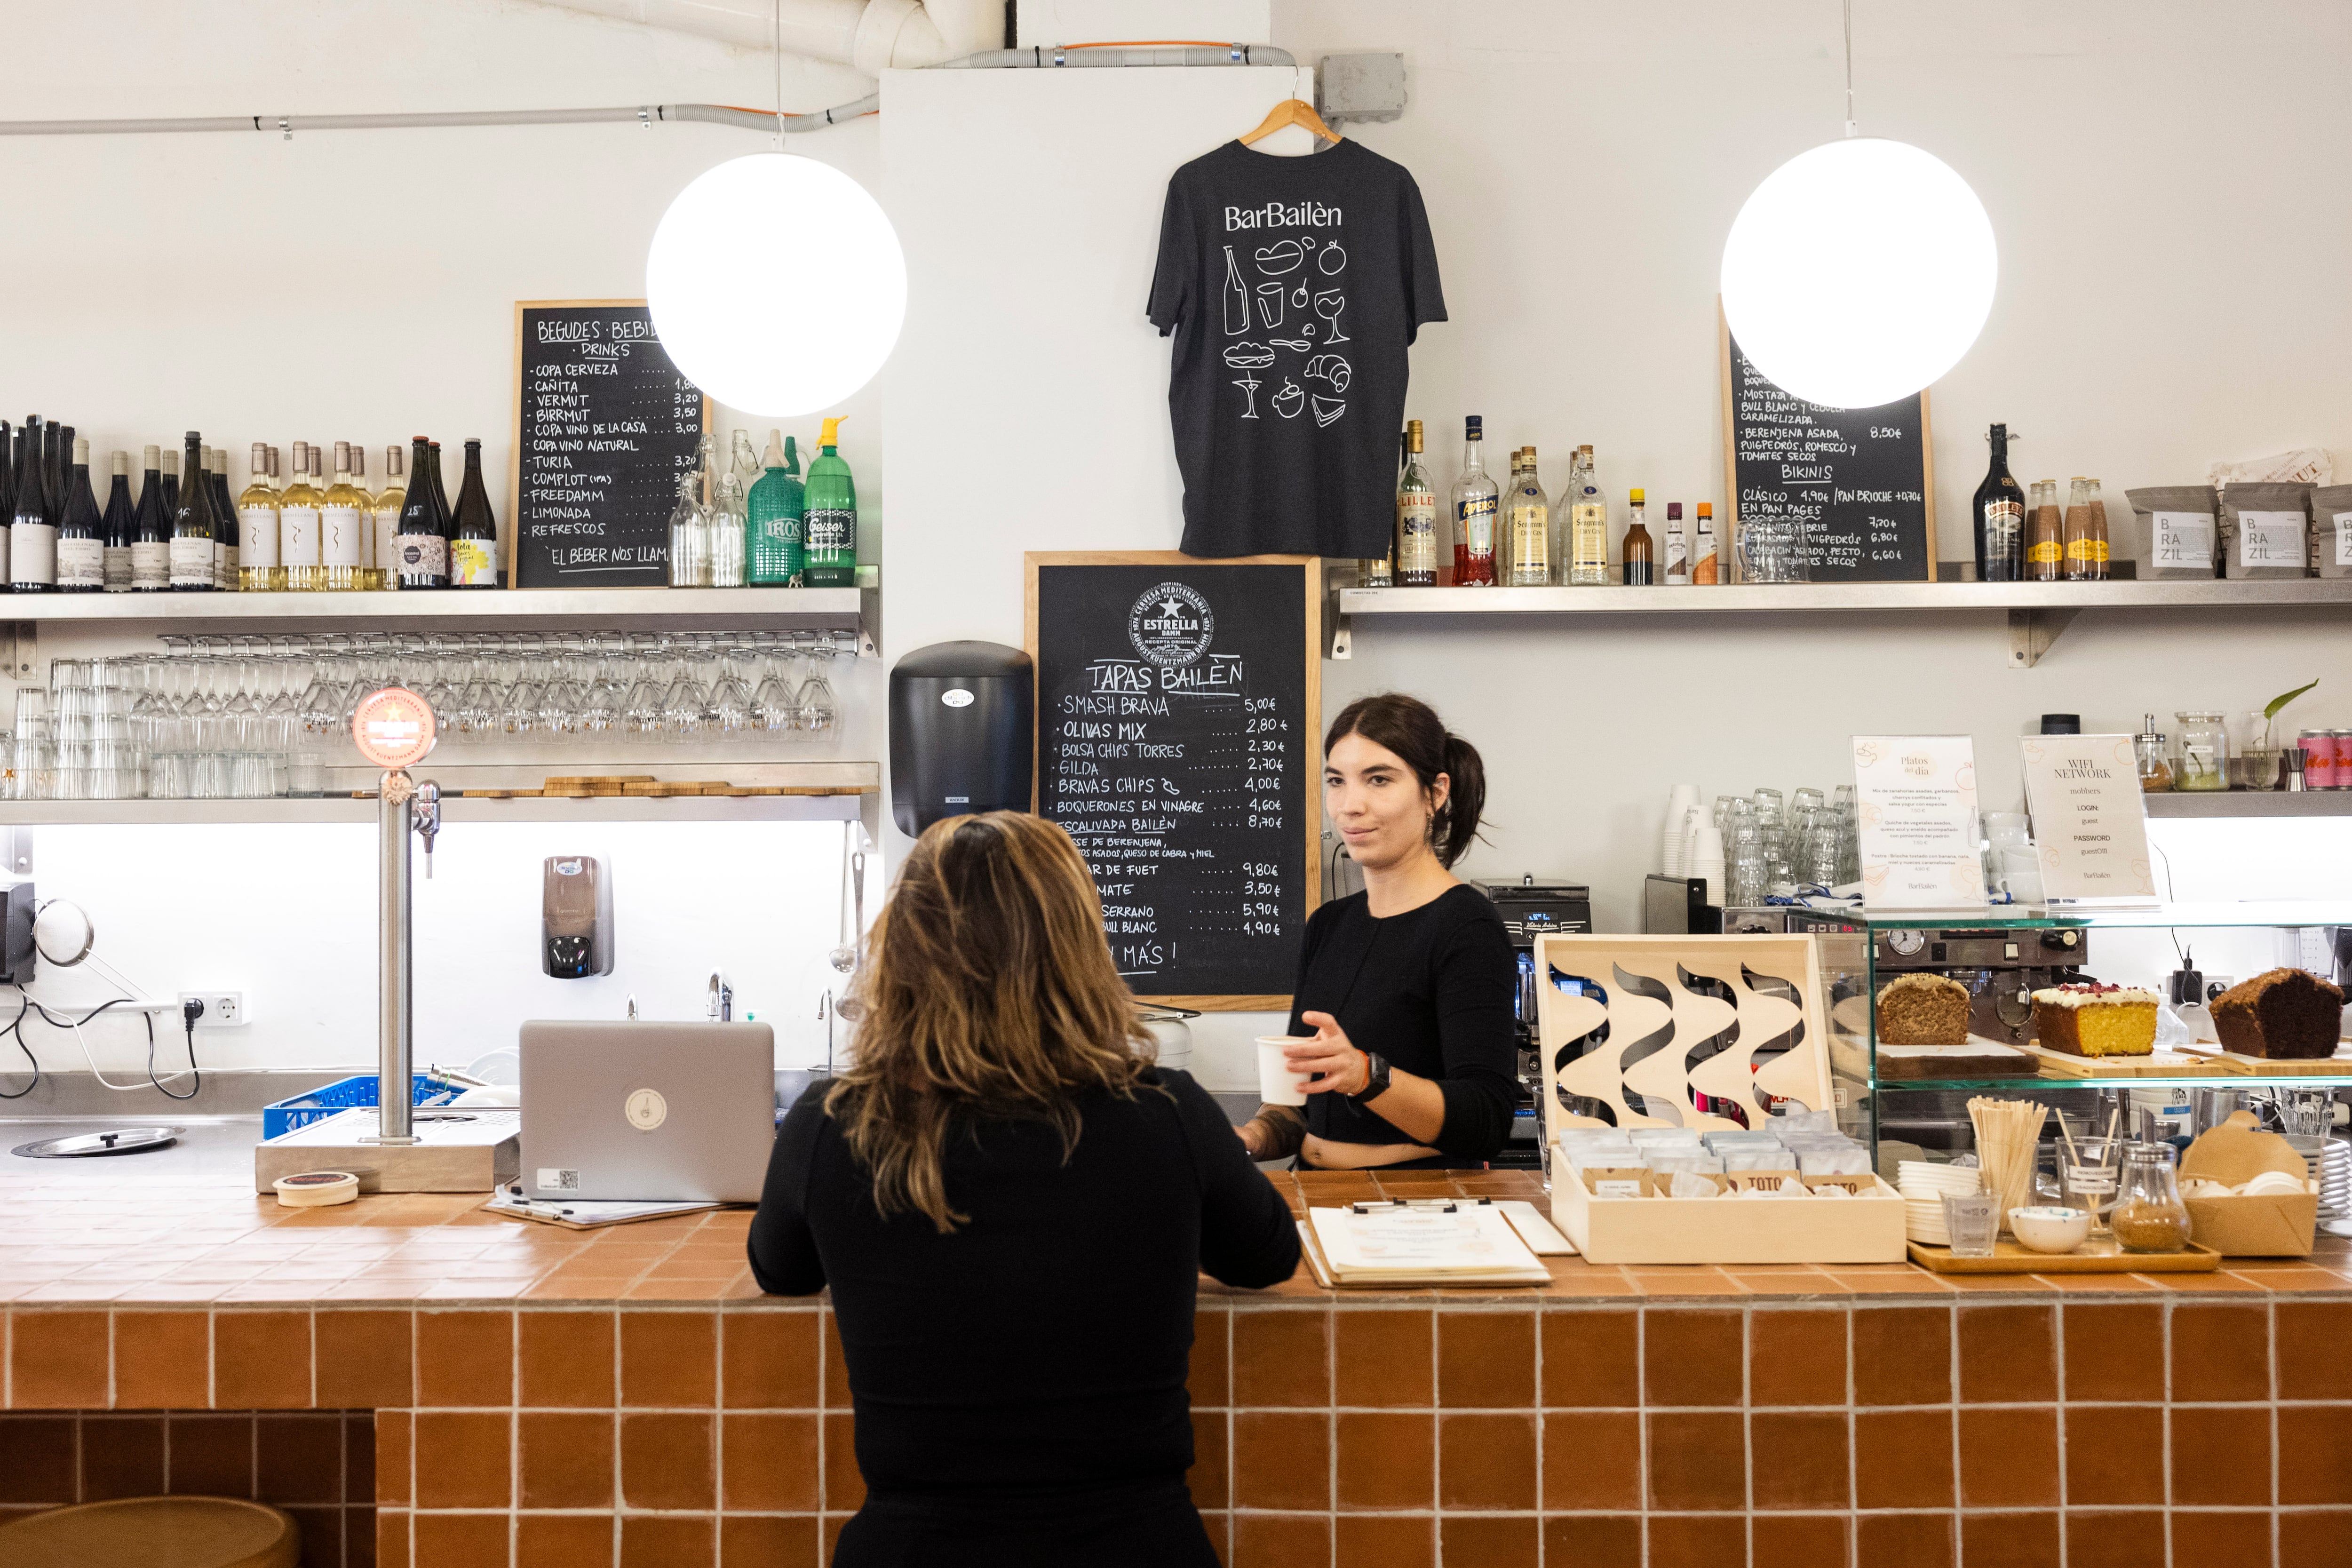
(128, 1241)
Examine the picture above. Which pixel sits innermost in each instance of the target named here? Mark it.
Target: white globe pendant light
(776, 284)
(1860, 271)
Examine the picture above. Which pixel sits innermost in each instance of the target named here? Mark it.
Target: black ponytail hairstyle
(1411, 729)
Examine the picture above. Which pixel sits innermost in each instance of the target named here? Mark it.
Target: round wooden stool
(155, 1533)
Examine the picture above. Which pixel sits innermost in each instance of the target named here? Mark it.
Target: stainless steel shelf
(1815, 597)
(2250, 803)
(624, 808)
(524, 609)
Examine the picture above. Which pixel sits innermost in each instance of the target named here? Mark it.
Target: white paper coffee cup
(1276, 1084)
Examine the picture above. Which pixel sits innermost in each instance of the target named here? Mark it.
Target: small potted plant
(2257, 767)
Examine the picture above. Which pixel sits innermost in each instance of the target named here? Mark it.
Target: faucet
(403, 807)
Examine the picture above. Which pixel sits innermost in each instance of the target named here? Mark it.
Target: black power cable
(190, 1012)
(15, 1027)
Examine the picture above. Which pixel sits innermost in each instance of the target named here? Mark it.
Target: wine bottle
(831, 561)
(171, 488)
(390, 502)
(191, 523)
(59, 444)
(298, 526)
(364, 577)
(114, 563)
(29, 510)
(1998, 517)
(420, 547)
(7, 475)
(78, 565)
(258, 564)
(340, 511)
(151, 529)
(474, 539)
(33, 530)
(228, 538)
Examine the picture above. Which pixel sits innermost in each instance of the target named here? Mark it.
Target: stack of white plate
(1922, 1184)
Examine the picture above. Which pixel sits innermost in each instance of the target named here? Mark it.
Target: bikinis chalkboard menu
(603, 427)
(1179, 711)
(1857, 484)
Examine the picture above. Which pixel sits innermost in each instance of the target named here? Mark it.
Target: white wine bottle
(258, 569)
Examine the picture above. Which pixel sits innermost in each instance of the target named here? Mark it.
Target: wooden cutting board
(2158, 1064)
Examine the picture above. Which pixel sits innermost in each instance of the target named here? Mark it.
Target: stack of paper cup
(1678, 809)
(1707, 861)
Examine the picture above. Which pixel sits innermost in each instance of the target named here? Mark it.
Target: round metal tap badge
(394, 727)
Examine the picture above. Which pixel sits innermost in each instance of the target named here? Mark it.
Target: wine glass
(817, 702)
(777, 703)
(600, 704)
(1327, 305)
(731, 717)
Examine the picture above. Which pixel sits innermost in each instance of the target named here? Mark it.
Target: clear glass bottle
(258, 568)
(302, 564)
(727, 534)
(341, 510)
(1476, 499)
(2045, 533)
(2085, 532)
(689, 554)
(2202, 762)
(2148, 1216)
(1588, 523)
(1416, 525)
(390, 502)
(1526, 523)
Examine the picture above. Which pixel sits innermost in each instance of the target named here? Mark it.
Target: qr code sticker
(554, 1180)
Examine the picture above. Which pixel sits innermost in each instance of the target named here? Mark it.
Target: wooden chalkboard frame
(1730, 546)
(514, 423)
(1310, 598)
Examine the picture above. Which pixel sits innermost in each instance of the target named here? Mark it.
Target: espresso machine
(1531, 910)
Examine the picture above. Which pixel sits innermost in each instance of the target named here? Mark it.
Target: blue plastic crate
(345, 1093)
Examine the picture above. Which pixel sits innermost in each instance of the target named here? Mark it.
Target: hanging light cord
(1851, 128)
(776, 55)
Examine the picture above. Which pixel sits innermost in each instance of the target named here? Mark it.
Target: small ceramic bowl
(2049, 1230)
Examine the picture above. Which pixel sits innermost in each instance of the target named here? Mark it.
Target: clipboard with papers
(1420, 1244)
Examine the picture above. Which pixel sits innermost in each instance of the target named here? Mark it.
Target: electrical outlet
(223, 1009)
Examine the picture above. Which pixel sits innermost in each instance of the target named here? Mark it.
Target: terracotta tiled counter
(542, 1396)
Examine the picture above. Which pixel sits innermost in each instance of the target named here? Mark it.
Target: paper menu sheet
(1916, 800)
(1470, 1240)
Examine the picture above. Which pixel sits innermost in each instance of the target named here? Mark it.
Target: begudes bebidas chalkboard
(1857, 480)
(1174, 740)
(606, 425)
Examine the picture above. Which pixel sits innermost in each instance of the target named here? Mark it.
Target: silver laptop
(639, 1113)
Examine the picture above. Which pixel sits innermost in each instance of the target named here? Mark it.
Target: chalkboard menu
(605, 425)
(1861, 482)
(1179, 707)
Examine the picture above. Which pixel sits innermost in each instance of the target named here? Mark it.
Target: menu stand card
(1915, 796)
(2090, 821)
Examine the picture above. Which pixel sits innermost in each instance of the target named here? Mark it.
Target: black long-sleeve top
(1432, 990)
(1039, 1352)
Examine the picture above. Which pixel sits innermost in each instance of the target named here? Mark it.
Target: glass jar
(2202, 762)
(2148, 1216)
(2152, 752)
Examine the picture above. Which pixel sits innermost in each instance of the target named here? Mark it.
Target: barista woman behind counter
(1407, 987)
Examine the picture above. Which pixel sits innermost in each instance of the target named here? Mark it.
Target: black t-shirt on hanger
(1293, 287)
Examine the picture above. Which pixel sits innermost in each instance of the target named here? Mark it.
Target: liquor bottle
(191, 524)
(171, 488)
(776, 514)
(114, 559)
(420, 543)
(79, 565)
(1527, 522)
(1998, 517)
(2045, 533)
(1416, 525)
(258, 568)
(1476, 500)
(1678, 571)
(390, 502)
(1706, 567)
(1641, 562)
(229, 537)
(28, 514)
(151, 529)
(1588, 523)
(832, 527)
(474, 532)
(2085, 530)
(340, 511)
(300, 561)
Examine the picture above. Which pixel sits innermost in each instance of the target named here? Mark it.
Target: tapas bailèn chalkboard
(1179, 707)
(1861, 481)
(603, 427)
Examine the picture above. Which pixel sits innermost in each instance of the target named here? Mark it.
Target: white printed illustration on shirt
(1282, 298)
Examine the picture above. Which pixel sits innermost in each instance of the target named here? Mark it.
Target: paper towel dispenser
(960, 732)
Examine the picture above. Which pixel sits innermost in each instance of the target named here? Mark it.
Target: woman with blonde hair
(1013, 1208)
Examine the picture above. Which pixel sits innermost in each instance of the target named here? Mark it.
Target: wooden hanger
(1291, 112)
